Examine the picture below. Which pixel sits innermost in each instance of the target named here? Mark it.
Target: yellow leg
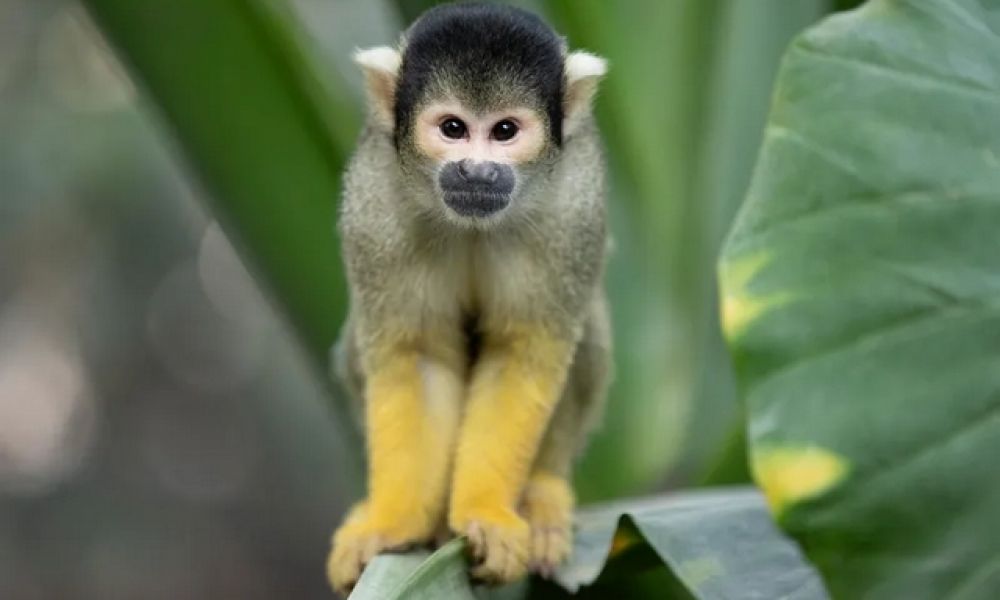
(411, 404)
(548, 500)
(515, 387)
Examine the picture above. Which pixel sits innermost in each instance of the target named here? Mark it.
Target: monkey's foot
(548, 506)
(363, 536)
(498, 542)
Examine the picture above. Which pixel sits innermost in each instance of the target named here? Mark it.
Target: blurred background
(163, 431)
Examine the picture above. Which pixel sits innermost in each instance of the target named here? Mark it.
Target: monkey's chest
(477, 287)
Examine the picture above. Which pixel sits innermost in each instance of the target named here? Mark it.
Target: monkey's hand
(548, 507)
(498, 542)
(364, 534)
(412, 411)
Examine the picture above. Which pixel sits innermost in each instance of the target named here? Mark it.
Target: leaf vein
(863, 202)
(918, 317)
(958, 86)
(980, 575)
(980, 419)
(826, 154)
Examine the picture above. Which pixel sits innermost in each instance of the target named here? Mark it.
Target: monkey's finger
(502, 563)
(349, 558)
(550, 546)
(343, 570)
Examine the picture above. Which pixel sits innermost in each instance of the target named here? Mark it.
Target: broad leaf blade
(861, 289)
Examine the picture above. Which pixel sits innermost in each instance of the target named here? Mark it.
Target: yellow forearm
(515, 387)
(411, 406)
(412, 402)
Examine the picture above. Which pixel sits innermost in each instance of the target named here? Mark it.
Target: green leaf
(861, 299)
(720, 544)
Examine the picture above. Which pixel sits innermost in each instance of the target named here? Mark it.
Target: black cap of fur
(482, 46)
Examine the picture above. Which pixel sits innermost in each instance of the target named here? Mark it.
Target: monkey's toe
(548, 507)
(352, 553)
(359, 540)
(499, 548)
(348, 559)
(550, 547)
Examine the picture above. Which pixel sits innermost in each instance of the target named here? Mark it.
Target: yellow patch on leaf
(792, 474)
(738, 307)
(625, 538)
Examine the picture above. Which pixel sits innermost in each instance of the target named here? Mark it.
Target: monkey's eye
(504, 130)
(453, 128)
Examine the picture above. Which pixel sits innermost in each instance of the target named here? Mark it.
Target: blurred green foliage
(230, 79)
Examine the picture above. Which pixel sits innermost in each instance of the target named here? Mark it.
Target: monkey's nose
(478, 172)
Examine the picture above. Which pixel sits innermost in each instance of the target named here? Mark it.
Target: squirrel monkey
(478, 341)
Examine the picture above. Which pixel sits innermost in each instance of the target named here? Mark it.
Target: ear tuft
(583, 72)
(379, 58)
(381, 68)
(583, 65)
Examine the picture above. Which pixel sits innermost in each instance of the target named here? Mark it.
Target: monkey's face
(478, 160)
(479, 106)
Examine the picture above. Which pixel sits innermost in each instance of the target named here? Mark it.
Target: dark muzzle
(476, 189)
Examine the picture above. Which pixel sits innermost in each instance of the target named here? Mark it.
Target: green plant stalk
(651, 109)
(235, 91)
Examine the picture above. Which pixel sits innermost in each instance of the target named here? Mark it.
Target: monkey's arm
(515, 387)
(411, 413)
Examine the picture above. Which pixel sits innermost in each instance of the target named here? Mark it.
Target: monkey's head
(479, 102)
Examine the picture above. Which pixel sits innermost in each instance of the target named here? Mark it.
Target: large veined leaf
(861, 300)
(720, 544)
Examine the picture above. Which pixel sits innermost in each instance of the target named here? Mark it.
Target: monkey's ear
(583, 72)
(381, 68)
